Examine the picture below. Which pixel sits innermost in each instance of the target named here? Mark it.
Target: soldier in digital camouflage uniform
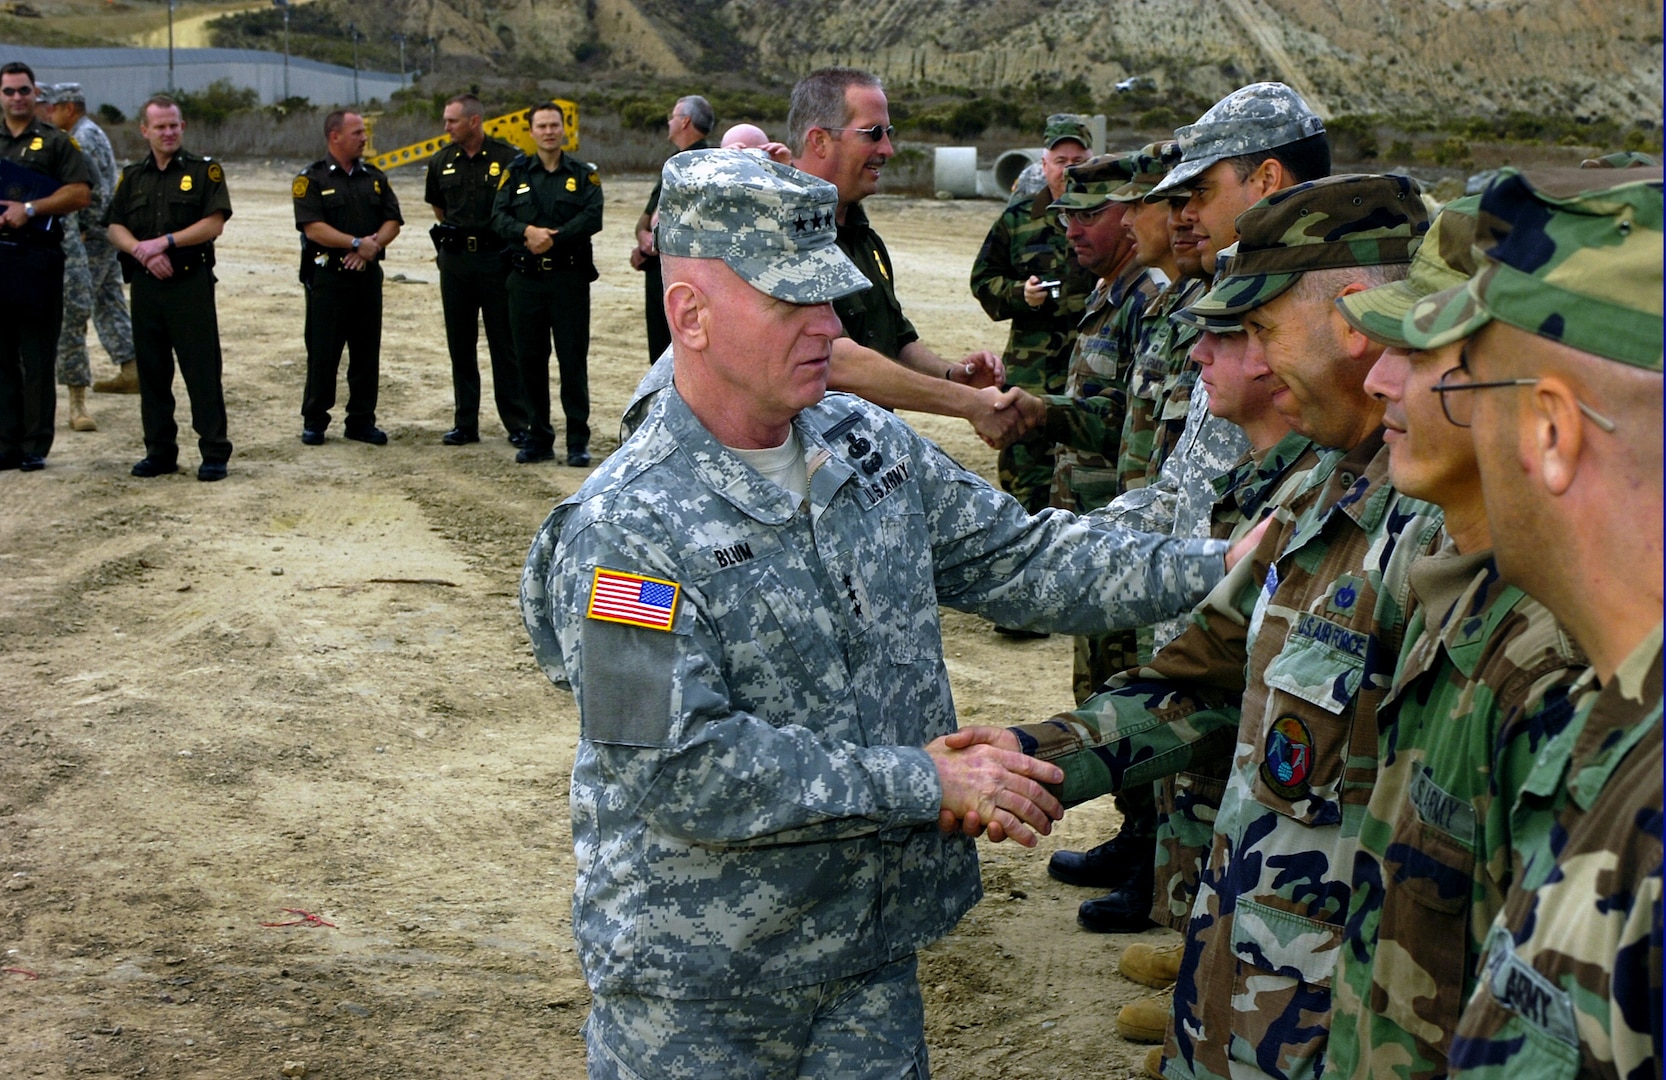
(1480, 692)
(1287, 659)
(1561, 385)
(752, 637)
(1025, 248)
(92, 276)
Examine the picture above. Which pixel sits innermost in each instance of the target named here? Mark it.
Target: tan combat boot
(1152, 965)
(1154, 1063)
(78, 418)
(1146, 1020)
(126, 381)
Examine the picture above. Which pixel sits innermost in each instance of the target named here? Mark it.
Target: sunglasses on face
(877, 133)
(17, 91)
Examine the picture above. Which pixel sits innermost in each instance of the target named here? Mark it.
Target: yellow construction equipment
(513, 128)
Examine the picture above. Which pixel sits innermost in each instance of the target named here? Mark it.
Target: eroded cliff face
(1591, 58)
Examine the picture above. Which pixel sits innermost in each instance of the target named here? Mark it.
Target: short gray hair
(1324, 285)
(819, 101)
(699, 112)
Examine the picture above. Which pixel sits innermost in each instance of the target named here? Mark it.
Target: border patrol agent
(164, 217)
(548, 208)
(52, 181)
(463, 179)
(744, 600)
(347, 214)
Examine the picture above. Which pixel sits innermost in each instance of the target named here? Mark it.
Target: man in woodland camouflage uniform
(92, 275)
(1287, 659)
(1561, 386)
(1480, 692)
(1026, 249)
(744, 600)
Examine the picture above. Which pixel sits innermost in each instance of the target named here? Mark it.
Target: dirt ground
(307, 689)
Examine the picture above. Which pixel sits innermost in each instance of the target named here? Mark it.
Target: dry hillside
(1581, 58)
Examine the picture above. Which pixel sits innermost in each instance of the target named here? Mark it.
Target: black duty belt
(451, 238)
(551, 262)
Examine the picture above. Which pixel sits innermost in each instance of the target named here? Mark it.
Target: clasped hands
(990, 785)
(153, 256)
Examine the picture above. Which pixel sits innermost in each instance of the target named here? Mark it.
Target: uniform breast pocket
(781, 649)
(1305, 743)
(182, 210)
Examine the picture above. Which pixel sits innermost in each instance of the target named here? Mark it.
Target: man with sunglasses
(839, 130)
(1480, 692)
(1560, 384)
(46, 165)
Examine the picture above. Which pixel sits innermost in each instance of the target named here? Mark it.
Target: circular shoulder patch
(1289, 758)
(299, 187)
(216, 174)
(594, 179)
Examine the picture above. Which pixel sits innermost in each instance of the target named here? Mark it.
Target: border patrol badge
(376, 185)
(1289, 757)
(185, 182)
(299, 187)
(216, 174)
(494, 170)
(572, 184)
(36, 143)
(616, 596)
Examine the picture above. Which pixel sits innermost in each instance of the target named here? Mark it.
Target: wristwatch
(28, 210)
(357, 240)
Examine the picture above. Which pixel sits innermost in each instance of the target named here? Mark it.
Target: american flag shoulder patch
(632, 599)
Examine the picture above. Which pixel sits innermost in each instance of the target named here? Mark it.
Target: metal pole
(401, 39)
(286, 50)
(170, 46)
(353, 28)
(433, 54)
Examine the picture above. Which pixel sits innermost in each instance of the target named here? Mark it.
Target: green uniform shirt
(44, 149)
(873, 318)
(568, 198)
(1028, 241)
(1481, 689)
(464, 187)
(356, 203)
(1159, 388)
(151, 202)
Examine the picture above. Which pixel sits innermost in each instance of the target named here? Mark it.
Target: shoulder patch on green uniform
(216, 174)
(299, 187)
(595, 179)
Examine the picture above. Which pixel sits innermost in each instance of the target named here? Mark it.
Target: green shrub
(111, 115)
(216, 102)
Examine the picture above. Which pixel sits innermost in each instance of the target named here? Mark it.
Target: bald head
(745, 137)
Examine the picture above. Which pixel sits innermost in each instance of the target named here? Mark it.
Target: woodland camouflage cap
(1151, 163)
(1090, 184)
(1583, 270)
(1445, 258)
(1340, 221)
(1061, 126)
(1257, 117)
(771, 224)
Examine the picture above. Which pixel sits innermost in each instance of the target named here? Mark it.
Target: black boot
(1106, 866)
(1126, 909)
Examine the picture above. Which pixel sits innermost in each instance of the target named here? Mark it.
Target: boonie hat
(1062, 126)
(1151, 163)
(1090, 184)
(1582, 269)
(1260, 116)
(1339, 221)
(1445, 258)
(771, 224)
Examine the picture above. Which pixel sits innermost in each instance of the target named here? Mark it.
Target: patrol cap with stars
(1445, 258)
(1151, 163)
(1583, 269)
(1253, 118)
(1062, 126)
(770, 223)
(1089, 185)
(1328, 224)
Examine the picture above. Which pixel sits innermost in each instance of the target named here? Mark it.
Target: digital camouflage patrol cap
(43, 93)
(1583, 270)
(1328, 224)
(68, 93)
(1257, 117)
(771, 224)
(1090, 184)
(1062, 126)
(1445, 258)
(1151, 163)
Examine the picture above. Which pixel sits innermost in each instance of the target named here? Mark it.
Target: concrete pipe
(954, 172)
(1013, 162)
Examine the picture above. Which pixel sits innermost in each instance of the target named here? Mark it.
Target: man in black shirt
(463, 178)
(691, 120)
(347, 214)
(167, 211)
(45, 177)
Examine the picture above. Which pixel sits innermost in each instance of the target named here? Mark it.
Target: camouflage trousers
(866, 1027)
(1097, 659)
(92, 288)
(1025, 470)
